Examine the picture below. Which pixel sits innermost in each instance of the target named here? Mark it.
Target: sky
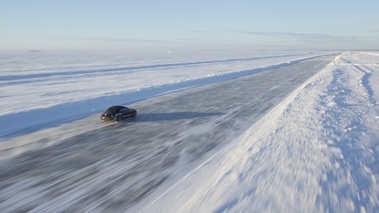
(174, 24)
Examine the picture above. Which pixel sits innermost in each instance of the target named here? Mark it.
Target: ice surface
(47, 89)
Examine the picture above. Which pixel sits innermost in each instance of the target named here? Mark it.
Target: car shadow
(170, 116)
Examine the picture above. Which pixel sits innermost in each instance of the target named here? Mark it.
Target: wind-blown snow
(318, 151)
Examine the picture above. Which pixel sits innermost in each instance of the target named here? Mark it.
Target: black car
(118, 113)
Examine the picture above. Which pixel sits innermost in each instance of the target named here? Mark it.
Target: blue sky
(169, 24)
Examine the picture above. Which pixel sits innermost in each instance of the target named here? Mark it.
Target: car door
(125, 112)
(118, 113)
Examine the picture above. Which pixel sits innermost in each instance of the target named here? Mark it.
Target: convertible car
(118, 113)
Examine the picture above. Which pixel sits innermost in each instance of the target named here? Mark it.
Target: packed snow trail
(90, 166)
(317, 151)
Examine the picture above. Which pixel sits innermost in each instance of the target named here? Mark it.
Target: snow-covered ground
(316, 151)
(49, 88)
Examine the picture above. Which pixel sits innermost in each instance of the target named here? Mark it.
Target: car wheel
(134, 114)
(118, 118)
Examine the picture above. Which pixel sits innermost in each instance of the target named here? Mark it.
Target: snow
(316, 151)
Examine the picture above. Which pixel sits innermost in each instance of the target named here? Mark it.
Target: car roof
(115, 108)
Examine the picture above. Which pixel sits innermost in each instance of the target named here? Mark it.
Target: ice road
(114, 167)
